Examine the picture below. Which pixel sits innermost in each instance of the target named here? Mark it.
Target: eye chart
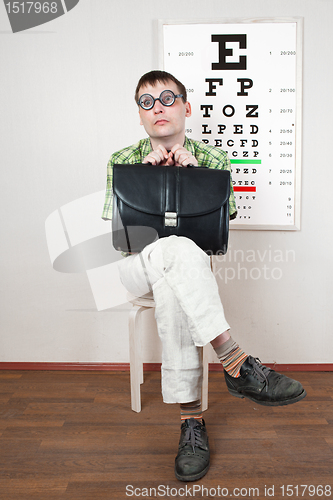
(244, 83)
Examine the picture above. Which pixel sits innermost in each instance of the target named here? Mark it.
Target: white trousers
(188, 312)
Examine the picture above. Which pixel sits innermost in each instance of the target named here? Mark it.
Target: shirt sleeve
(107, 210)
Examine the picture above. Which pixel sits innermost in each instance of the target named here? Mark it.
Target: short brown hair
(155, 76)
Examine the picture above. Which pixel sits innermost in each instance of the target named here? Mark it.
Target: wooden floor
(72, 435)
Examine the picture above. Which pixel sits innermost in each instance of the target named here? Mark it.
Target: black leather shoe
(192, 461)
(263, 385)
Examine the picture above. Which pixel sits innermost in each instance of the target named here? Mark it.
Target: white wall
(67, 104)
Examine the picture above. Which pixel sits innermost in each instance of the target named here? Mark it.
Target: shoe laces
(193, 434)
(260, 370)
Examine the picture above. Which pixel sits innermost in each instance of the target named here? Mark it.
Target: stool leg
(204, 389)
(136, 365)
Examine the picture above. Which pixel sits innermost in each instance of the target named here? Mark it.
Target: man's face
(164, 122)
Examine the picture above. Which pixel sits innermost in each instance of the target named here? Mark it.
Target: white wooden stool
(141, 304)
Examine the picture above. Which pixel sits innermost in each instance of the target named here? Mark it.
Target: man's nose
(158, 106)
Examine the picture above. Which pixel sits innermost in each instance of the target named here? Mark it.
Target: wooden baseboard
(213, 367)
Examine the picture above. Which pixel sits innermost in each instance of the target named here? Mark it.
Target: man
(188, 312)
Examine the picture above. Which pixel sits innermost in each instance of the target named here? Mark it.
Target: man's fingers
(184, 158)
(177, 156)
(155, 157)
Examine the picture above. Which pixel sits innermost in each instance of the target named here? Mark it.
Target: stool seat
(141, 304)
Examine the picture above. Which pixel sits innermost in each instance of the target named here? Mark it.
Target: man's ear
(140, 117)
(188, 110)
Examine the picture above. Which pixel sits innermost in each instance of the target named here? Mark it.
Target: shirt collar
(146, 147)
(188, 144)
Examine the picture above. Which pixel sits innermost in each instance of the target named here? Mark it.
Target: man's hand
(178, 156)
(182, 157)
(159, 156)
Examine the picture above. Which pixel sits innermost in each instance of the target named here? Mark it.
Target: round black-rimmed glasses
(167, 98)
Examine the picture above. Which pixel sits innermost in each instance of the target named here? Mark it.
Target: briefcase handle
(188, 166)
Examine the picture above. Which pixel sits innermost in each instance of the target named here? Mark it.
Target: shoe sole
(192, 478)
(269, 403)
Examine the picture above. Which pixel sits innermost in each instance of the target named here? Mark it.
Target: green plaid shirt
(207, 156)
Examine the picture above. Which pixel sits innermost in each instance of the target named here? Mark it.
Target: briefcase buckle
(170, 219)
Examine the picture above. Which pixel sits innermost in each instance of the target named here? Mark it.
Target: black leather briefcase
(151, 202)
